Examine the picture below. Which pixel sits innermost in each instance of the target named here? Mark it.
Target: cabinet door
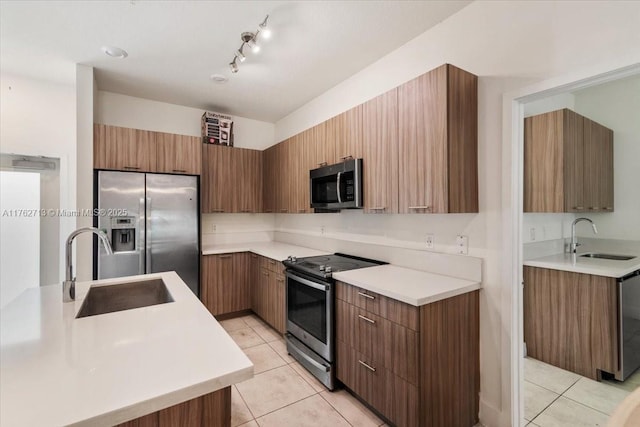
(239, 294)
(573, 165)
(593, 165)
(254, 280)
(346, 130)
(217, 179)
(299, 165)
(606, 168)
(380, 153)
(247, 169)
(283, 176)
(423, 152)
(323, 137)
(278, 297)
(178, 153)
(269, 178)
(124, 149)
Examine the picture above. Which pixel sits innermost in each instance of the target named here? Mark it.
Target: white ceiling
(175, 46)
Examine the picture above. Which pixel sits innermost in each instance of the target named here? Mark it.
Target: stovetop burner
(324, 266)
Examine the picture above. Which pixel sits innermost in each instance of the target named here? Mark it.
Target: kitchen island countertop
(106, 369)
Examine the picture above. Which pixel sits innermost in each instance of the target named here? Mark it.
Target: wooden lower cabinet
(426, 376)
(268, 291)
(210, 410)
(570, 320)
(225, 283)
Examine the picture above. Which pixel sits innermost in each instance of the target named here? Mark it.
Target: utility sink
(125, 296)
(609, 256)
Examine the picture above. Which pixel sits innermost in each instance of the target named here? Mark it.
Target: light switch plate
(462, 243)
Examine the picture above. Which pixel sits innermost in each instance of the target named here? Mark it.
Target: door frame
(512, 202)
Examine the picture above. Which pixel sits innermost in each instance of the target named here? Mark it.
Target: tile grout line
(285, 406)
(245, 404)
(335, 409)
(545, 408)
(586, 406)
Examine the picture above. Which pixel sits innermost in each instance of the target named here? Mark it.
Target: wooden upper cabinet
(178, 153)
(126, 149)
(323, 143)
(217, 179)
(380, 153)
(231, 179)
(438, 142)
(283, 177)
(346, 131)
(568, 164)
(246, 167)
(269, 180)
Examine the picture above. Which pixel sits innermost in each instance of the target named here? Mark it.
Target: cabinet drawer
(272, 265)
(395, 346)
(388, 308)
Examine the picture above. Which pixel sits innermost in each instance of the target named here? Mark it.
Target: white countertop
(274, 250)
(578, 264)
(413, 287)
(110, 368)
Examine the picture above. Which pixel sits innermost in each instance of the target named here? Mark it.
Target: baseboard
(491, 416)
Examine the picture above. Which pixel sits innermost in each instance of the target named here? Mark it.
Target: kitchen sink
(125, 296)
(609, 256)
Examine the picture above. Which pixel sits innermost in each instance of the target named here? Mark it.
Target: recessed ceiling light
(115, 52)
(218, 78)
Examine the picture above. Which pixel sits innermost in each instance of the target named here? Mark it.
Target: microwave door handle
(338, 188)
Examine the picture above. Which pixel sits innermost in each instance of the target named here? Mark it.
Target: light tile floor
(282, 393)
(554, 397)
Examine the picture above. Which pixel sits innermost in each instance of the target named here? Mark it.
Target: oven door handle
(307, 282)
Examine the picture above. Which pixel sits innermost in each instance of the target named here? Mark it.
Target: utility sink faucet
(69, 284)
(574, 240)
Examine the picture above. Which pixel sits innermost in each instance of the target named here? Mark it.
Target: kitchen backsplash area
(221, 229)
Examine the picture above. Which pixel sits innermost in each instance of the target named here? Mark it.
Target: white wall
(39, 118)
(616, 105)
(509, 45)
(127, 111)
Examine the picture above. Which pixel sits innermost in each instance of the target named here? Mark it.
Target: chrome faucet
(574, 241)
(69, 284)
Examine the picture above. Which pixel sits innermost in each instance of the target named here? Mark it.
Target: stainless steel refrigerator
(152, 223)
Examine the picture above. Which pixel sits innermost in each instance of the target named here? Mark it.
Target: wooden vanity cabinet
(179, 154)
(225, 286)
(568, 164)
(124, 149)
(417, 366)
(570, 320)
(438, 142)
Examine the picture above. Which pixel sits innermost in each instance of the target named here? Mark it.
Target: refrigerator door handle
(142, 241)
(148, 236)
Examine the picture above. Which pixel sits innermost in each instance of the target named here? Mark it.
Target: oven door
(310, 313)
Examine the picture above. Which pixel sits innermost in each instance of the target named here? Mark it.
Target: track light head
(239, 54)
(234, 66)
(264, 30)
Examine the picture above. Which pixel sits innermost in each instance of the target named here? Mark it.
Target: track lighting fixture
(251, 40)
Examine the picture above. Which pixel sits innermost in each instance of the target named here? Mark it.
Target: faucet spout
(573, 246)
(69, 284)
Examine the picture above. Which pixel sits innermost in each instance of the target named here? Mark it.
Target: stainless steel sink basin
(125, 296)
(609, 256)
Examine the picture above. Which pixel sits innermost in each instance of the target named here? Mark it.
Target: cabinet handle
(578, 207)
(380, 208)
(366, 319)
(272, 262)
(217, 210)
(254, 256)
(420, 207)
(593, 208)
(608, 208)
(132, 167)
(180, 170)
(371, 297)
(322, 164)
(369, 367)
(268, 211)
(280, 280)
(265, 274)
(224, 256)
(349, 156)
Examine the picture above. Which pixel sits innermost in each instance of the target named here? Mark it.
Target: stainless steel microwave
(338, 186)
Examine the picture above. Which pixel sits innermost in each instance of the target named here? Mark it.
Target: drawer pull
(366, 319)
(217, 210)
(180, 170)
(578, 207)
(608, 208)
(371, 297)
(593, 208)
(224, 256)
(369, 367)
(419, 207)
(379, 208)
(132, 167)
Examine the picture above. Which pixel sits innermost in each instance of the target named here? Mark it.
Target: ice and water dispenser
(123, 233)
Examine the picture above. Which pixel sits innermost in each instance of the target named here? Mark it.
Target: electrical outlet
(462, 243)
(429, 241)
(532, 234)
(322, 229)
(213, 228)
